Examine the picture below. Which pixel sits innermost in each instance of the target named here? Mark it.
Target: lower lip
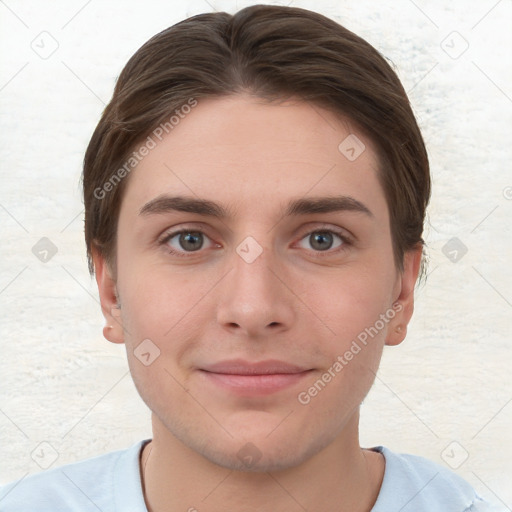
(255, 384)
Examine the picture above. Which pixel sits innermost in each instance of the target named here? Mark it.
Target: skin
(294, 302)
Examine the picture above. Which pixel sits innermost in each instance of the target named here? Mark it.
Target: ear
(113, 330)
(404, 302)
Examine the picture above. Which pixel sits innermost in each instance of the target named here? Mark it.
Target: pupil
(321, 237)
(189, 241)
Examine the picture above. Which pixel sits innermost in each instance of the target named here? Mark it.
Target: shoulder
(98, 483)
(415, 484)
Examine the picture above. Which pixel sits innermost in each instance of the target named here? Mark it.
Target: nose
(255, 298)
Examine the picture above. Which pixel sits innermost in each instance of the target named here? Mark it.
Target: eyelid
(170, 232)
(347, 241)
(324, 226)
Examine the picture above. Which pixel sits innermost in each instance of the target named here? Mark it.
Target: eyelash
(346, 241)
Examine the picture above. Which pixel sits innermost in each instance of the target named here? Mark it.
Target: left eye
(323, 240)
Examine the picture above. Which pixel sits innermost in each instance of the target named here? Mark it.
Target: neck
(341, 477)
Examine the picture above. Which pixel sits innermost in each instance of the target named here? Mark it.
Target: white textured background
(64, 385)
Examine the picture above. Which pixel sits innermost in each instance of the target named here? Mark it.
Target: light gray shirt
(111, 483)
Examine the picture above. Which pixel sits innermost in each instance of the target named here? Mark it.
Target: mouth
(254, 378)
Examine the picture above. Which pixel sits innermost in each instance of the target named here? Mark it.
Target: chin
(260, 452)
(251, 459)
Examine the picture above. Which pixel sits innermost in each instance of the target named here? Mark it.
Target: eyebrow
(165, 204)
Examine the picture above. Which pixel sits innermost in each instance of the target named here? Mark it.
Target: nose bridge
(252, 298)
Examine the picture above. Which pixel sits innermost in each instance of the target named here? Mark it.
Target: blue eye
(323, 240)
(188, 241)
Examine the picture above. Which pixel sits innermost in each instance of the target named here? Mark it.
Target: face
(292, 267)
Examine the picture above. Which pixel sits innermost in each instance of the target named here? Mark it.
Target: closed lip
(242, 367)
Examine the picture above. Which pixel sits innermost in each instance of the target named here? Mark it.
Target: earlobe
(396, 335)
(397, 328)
(113, 330)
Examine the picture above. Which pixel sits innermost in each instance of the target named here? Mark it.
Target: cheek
(349, 305)
(353, 313)
(152, 302)
(157, 334)
(169, 310)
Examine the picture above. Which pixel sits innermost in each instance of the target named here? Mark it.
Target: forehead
(244, 152)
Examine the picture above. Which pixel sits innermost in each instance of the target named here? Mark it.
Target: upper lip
(242, 367)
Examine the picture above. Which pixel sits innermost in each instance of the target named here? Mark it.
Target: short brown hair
(273, 53)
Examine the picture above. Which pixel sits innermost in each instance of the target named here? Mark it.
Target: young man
(254, 194)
